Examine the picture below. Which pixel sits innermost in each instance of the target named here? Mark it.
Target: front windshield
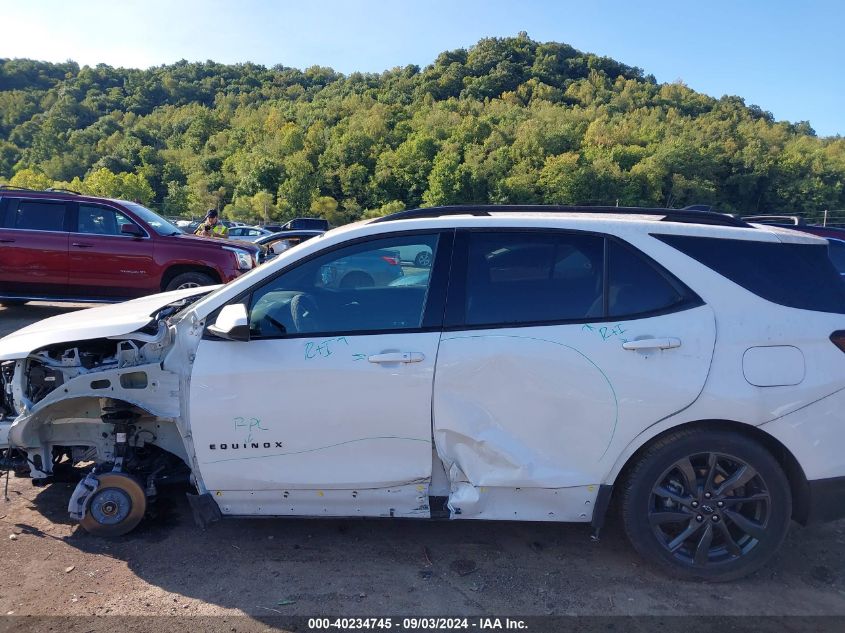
(158, 223)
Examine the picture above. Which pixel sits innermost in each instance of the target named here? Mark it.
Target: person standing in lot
(212, 227)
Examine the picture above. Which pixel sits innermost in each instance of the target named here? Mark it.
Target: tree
(135, 187)
(262, 204)
(446, 180)
(200, 199)
(298, 189)
(327, 207)
(176, 200)
(9, 155)
(124, 186)
(386, 209)
(509, 119)
(31, 179)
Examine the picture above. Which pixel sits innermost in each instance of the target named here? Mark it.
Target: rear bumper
(827, 499)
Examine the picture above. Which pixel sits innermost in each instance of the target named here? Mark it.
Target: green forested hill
(508, 120)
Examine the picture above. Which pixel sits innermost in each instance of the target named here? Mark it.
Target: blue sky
(786, 57)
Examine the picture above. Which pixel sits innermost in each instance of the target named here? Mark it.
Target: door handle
(652, 343)
(82, 245)
(396, 357)
(6, 240)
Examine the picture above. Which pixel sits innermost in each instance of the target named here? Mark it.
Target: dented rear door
(549, 367)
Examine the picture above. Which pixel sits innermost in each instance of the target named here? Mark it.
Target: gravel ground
(271, 567)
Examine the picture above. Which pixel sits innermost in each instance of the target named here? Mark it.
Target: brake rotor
(117, 506)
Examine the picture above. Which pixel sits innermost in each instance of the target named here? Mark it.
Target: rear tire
(190, 280)
(681, 509)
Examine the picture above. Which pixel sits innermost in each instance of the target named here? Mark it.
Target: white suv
(685, 366)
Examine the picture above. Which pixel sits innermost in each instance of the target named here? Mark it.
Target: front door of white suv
(326, 410)
(558, 349)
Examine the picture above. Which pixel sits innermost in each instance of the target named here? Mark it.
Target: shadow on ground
(14, 317)
(267, 567)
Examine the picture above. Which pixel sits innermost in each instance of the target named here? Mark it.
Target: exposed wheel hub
(116, 507)
(110, 506)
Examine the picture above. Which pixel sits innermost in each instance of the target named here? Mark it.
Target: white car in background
(247, 233)
(419, 255)
(684, 366)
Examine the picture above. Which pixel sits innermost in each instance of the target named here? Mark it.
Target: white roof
(617, 224)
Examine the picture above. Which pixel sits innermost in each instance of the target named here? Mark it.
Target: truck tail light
(838, 339)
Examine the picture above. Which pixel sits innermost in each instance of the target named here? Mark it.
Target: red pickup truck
(61, 246)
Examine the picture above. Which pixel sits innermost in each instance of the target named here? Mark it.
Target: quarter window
(794, 275)
(365, 287)
(37, 216)
(635, 286)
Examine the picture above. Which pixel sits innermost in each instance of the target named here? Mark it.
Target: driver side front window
(366, 287)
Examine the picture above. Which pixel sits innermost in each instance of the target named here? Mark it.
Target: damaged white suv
(685, 365)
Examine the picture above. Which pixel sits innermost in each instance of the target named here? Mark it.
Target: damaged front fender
(148, 387)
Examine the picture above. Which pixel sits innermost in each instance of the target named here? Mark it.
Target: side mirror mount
(232, 323)
(131, 229)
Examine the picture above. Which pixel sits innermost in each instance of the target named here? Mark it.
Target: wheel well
(794, 473)
(178, 269)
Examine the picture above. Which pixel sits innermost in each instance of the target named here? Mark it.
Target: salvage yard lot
(369, 568)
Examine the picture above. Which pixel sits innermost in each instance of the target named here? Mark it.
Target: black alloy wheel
(707, 508)
(707, 504)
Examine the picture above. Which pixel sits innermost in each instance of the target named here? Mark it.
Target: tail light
(838, 339)
(393, 261)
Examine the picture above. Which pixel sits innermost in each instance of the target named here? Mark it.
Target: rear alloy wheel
(189, 280)
(710, 505)
(117, 506)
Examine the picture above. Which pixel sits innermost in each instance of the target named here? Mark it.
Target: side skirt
(376, 502)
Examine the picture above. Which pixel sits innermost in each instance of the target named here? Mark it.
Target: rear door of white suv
(559, 347)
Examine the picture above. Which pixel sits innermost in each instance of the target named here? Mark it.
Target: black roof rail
(692, 216)
(48, 190)
(13, 188)
(794, 220)
(63, 190)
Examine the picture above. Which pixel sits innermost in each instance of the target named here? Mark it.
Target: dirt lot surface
(369, 568)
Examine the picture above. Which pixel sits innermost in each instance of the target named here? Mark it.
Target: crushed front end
(105, 412)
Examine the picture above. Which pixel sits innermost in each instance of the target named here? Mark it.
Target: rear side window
(793, 275)
(36, 216)
(528, 277)
(635, 286)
